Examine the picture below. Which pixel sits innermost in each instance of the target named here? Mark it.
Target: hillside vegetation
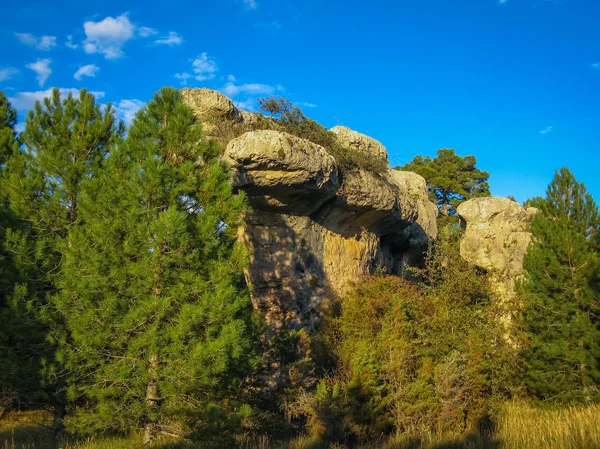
(126, 319)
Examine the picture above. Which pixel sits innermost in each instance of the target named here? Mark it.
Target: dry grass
(520, 426)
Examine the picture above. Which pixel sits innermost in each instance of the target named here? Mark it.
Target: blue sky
(514, 82)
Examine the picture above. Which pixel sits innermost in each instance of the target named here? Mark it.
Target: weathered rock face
(279, 171)
(210, 107)
(314, 229)
(355, 140)
(496, 236)
(496, 239)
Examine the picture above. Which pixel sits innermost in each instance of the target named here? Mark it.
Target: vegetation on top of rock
(561, 295)
(451, 179)
(293, 121)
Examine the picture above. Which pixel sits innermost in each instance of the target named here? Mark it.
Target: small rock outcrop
(496, 238)
(211, 108)
(354, 140)
(315, 229)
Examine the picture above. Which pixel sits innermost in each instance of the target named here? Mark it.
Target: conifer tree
(154, 295)
(451, 179)
(66, 140)
(562, 296)
(8, 272)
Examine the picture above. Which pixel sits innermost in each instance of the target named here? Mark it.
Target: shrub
(293, 121)
(415, 357)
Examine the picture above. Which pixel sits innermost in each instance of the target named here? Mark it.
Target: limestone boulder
(211, 108)
(496, 235)
(281, 172)
(360, 142)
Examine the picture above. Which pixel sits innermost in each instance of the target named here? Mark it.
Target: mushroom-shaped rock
(210, 107)
(281, 172)
(360, 142)
(496, 236)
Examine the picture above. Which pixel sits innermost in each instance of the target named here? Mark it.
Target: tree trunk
(60, 410)
(151, 427)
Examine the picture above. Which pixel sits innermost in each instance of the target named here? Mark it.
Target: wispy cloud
(86, 70)
(44, 43)
(126, 109)
(70, 44)
(502, 2)
(183, 77)
(146, 31)
(231, 89)
(595, 65)
(546, 130)
(24, 101)
(42, 69)
(305, 104)
(248, 105)
(204, 68)
(172, 39)
(269, 26)
(250, 4)
(7, 73)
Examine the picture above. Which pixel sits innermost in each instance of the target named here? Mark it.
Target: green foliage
(8, 135)
(561, 295)
(153, 293)
(293, 121)
(451, 179)
(66, 140)
(276, 106)
(415, 357)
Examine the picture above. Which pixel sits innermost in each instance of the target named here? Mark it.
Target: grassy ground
(519, 427)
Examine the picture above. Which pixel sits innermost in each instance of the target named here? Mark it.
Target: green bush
(414, 357)
(293, 121)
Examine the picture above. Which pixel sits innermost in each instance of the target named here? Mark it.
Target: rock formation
(496, 238)
(315, 229)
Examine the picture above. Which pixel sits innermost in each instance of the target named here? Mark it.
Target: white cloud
(231, 90)
(26, 100)
(146, 31)
(172, 39)
(502, 2)
(204, 67)
(108, 36)
(70, 44)
(231, 78)
(546, 130)
(126, 109)
(247, 105)
(44, 43)
(305, 104)
(42, 68)
(183, 77)
(595, 65)
(250, 4)
(86, 70)
(7, 73)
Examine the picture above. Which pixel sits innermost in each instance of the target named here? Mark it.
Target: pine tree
(451, 179)
(562, 296)
(66, 141)
(154, 294)
(9, 274)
